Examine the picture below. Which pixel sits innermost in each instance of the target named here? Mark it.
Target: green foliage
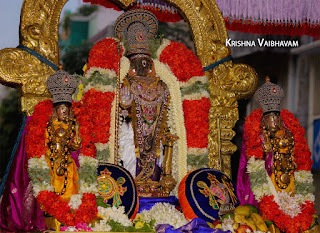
(154, 44)
(100, 202)
(118, 227)
(179, 32)
(10, 120)
(75, 58)
(86, 10)
(88, 173)
(98, 78)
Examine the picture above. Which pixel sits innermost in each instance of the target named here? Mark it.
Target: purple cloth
(197, 225)
(244, 192)
(19, 210)
(146, 203)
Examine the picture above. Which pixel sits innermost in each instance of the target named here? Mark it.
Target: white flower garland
(39, 164)
(290, 205)
(99, 87)
(198, 95)
(103, 71)
(164, 213)
(116, 214)
(75, 201)
(176, 110)
(85, 187)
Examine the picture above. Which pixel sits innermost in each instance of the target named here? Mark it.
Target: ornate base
(149, 189)
(155, 188)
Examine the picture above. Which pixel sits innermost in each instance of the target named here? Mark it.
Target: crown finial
(267, 79)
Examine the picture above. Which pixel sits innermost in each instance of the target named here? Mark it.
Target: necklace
(283, 165)
(58, 143)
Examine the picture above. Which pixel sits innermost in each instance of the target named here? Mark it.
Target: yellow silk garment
(72, 177)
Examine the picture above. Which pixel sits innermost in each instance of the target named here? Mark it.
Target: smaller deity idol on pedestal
(275, 164)
(62, 135)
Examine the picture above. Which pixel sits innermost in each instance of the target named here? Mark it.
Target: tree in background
(10, 120)
(75, 58)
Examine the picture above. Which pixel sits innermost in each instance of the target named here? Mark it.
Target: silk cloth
(244, 193)
(197, 225)
(19, 210)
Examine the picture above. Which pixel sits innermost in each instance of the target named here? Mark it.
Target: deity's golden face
(62, 112)
(272, 122)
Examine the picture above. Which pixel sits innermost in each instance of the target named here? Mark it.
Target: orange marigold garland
(36, 129)
(53, 205)
(299, 223)
(183, 62)
(197, 122)
(104, 54)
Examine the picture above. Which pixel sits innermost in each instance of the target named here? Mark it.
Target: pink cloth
(19, 210)
(244, 192)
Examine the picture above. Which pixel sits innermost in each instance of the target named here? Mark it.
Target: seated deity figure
(275, 163)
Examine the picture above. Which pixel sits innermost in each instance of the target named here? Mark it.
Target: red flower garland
(105, 54)
(268, 206)
(53, 205)
(182, 61)
(196, 121)
(299, 223)
(36, 129)
(94, 119)
(253, 141)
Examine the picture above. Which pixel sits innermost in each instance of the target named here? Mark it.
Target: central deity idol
(144, 100)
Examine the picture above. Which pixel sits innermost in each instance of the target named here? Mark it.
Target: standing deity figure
(62, 135)
(275, 164)
(144, 100)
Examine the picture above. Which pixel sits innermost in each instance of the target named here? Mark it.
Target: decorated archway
(228, 82)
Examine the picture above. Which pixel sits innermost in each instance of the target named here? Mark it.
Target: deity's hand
(76, 143)
(168, 139)
(125, 97)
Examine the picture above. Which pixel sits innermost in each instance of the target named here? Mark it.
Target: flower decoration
(289, 213)
(37, 129)
(160, 212)
(183, 63)
(106, 54)
(95, 111)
